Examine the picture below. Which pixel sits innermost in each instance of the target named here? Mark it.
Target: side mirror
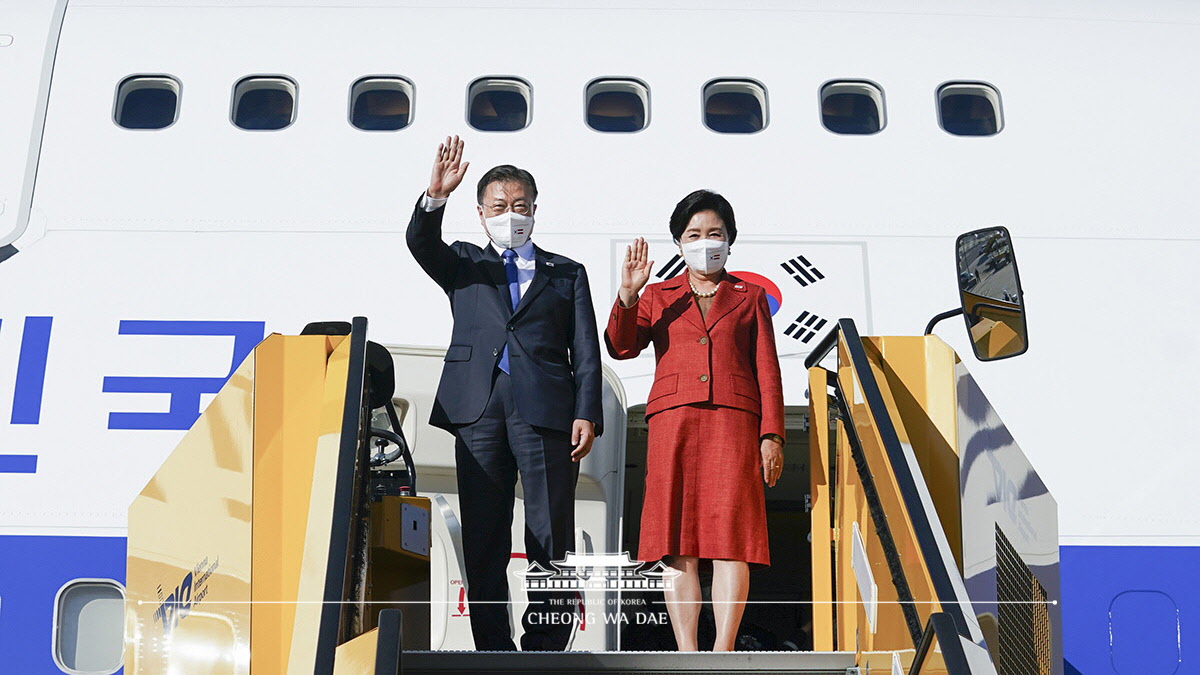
(990, 289)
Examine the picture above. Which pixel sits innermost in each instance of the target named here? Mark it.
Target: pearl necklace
(698, 294)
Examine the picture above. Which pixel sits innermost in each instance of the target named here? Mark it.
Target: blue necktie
(514, 295)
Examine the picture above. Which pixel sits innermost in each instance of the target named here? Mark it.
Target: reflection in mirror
(991, 294)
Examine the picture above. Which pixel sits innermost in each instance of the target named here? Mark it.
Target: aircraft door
(597, 510)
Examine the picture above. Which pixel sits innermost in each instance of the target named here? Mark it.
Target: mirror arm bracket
(944, 315)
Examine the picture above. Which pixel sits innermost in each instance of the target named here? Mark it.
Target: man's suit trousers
(489, 455)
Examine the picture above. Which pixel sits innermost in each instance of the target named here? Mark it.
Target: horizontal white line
(207, 601)
(1129, 541)
(61, 531)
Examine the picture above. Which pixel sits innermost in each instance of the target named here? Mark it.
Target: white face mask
(509, 230)
(705, 256)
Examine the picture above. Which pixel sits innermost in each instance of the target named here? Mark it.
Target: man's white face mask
(509, 230)
(705, 256)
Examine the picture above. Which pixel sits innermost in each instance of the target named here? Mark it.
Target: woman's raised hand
(635, 271)
(448, 168)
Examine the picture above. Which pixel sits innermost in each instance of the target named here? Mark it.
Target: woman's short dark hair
(702, 200)
(503, 174)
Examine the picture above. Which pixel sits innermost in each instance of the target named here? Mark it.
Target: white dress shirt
(526, 261)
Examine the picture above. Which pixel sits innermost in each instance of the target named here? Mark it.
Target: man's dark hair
(702, 200)
(503, 174)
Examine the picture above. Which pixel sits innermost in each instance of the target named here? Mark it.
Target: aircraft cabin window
(147, 102)
(265, 103)
(852, 107)
(89, 616)
(617, 105)
(735, 106)
(970, 109)
(499, 104)
(381, 103)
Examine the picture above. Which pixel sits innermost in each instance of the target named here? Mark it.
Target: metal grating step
(618, 663)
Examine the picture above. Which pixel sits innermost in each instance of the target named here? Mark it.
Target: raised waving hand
(635, 271)
(448, 168)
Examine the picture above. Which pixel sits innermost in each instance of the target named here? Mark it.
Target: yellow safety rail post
(823, 534)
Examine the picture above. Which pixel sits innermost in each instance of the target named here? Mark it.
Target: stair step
(618, 663)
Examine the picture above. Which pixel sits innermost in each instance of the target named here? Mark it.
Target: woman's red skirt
(704, 486)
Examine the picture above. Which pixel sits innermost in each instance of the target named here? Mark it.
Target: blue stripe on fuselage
(1130, 609)
(1120, 604)
(32, 570)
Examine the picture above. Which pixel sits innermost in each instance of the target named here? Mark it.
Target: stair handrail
(941, 626)
(951, 595)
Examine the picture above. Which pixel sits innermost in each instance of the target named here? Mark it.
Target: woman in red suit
(715, 414)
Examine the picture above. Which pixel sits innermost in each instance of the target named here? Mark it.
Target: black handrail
(389, 643)
(827, 343)
(939, 572)
(402, 450)
(879, 518)
(941, 625)
(344, 534)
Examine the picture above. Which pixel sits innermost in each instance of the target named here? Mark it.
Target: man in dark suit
(520, 391)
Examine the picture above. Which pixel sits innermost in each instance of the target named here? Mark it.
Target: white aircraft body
(139, 265)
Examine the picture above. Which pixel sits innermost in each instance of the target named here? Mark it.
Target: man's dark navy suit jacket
(553, 345)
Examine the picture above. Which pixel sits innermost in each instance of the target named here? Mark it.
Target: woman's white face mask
(509, 230)
(705, 256)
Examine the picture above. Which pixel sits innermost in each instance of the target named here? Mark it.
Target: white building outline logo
(598, 571)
